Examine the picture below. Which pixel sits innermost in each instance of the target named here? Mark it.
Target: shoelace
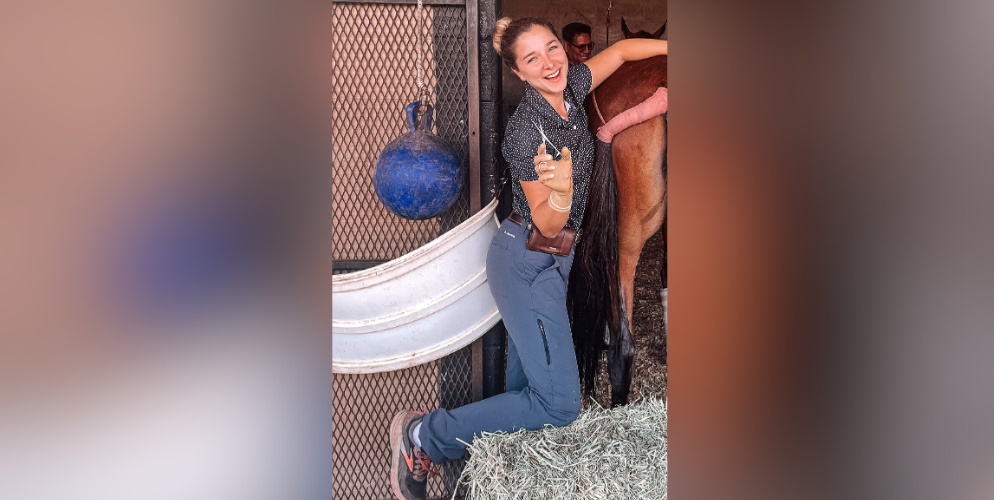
(423, 467)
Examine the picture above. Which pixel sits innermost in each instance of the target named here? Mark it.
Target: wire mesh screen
(376, 52)
(364, 404)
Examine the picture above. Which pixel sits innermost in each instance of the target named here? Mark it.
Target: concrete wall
(646, 15)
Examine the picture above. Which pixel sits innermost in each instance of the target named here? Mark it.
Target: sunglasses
(583, 47)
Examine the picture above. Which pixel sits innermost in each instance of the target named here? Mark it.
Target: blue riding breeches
(543, 384)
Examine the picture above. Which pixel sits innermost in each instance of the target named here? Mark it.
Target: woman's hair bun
(501, 27)
(507, 32)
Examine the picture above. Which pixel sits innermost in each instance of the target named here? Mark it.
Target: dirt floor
(648, 334)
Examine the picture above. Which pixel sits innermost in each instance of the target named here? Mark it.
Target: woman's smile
(542, 61)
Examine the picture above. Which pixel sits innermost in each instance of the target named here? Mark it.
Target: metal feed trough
(419, 307)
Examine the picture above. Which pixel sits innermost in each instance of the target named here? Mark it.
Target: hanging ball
(418, 175)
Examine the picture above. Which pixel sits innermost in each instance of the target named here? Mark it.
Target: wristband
(557, 208)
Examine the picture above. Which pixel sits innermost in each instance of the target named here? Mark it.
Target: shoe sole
(396, 429)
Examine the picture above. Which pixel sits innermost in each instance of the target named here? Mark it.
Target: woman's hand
(555, 175)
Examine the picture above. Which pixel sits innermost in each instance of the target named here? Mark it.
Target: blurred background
(830, 250)
(163, 249)
(164, 303)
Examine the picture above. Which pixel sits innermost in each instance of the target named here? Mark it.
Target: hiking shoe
(410, 465)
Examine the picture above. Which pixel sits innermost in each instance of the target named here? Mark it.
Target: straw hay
(618, 453)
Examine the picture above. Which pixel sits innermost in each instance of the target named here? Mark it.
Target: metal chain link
(607, 27)
(423, 93)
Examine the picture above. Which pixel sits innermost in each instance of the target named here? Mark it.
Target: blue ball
(418, 175)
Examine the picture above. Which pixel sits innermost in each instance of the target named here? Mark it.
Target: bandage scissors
(558, 155)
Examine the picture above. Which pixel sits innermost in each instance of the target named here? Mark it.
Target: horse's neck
(621, 92)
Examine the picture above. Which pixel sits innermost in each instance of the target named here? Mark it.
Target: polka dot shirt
(521, 140)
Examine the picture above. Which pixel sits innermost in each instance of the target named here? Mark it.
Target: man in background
(576, 41)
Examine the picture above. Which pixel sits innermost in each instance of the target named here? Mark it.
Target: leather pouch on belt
(561, 244)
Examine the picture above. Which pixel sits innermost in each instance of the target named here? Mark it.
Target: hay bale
(605, 454)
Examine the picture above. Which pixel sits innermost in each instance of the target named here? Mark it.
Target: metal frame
(475, 200)
(494, 342)
(472, 35)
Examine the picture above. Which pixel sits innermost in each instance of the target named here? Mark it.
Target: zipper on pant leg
(545, 342)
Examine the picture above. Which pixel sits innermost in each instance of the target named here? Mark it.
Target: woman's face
(541, 60)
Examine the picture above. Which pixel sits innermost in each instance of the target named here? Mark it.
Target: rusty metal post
(494, 342)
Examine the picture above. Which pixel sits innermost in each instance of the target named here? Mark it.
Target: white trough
(422, 306)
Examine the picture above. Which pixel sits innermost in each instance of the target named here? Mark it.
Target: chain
(423, 93)
(607, 27)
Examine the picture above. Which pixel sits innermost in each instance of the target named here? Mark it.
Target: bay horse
(643, 33)
(627, 204)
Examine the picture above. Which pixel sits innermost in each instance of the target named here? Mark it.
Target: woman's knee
(564, 417)
(564, 411)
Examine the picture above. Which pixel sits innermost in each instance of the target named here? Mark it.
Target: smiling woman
(551, 153)
(542, 63)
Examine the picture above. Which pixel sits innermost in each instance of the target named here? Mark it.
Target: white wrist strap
(557, 208)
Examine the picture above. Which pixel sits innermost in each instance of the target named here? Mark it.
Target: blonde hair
(501, 27)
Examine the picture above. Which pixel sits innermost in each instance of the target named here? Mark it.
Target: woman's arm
(634, 49)
(554, 188)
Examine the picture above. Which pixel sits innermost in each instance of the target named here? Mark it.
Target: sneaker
(410, 465)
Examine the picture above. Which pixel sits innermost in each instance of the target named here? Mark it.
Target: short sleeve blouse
(521, 140)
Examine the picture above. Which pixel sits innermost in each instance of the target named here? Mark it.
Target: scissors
(558, 155)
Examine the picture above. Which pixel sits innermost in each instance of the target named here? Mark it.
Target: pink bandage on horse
(654, 105)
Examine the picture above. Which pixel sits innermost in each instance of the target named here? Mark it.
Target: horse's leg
(664, 267)
(621, 351)
(638, 154)
(642, 195)
(663, 270)
(663, 278)
(638, 227)
(663, 291)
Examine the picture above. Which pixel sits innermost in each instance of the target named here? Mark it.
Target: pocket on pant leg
(545, 341)
(561, 397)
(548, 302)
(533, 264)
(549, 286)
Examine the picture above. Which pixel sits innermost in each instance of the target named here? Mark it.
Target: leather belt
(516, 218)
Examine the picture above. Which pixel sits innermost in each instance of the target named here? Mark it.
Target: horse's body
(640, 157)
(634, 195)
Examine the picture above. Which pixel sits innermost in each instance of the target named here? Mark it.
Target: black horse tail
(594, 278)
